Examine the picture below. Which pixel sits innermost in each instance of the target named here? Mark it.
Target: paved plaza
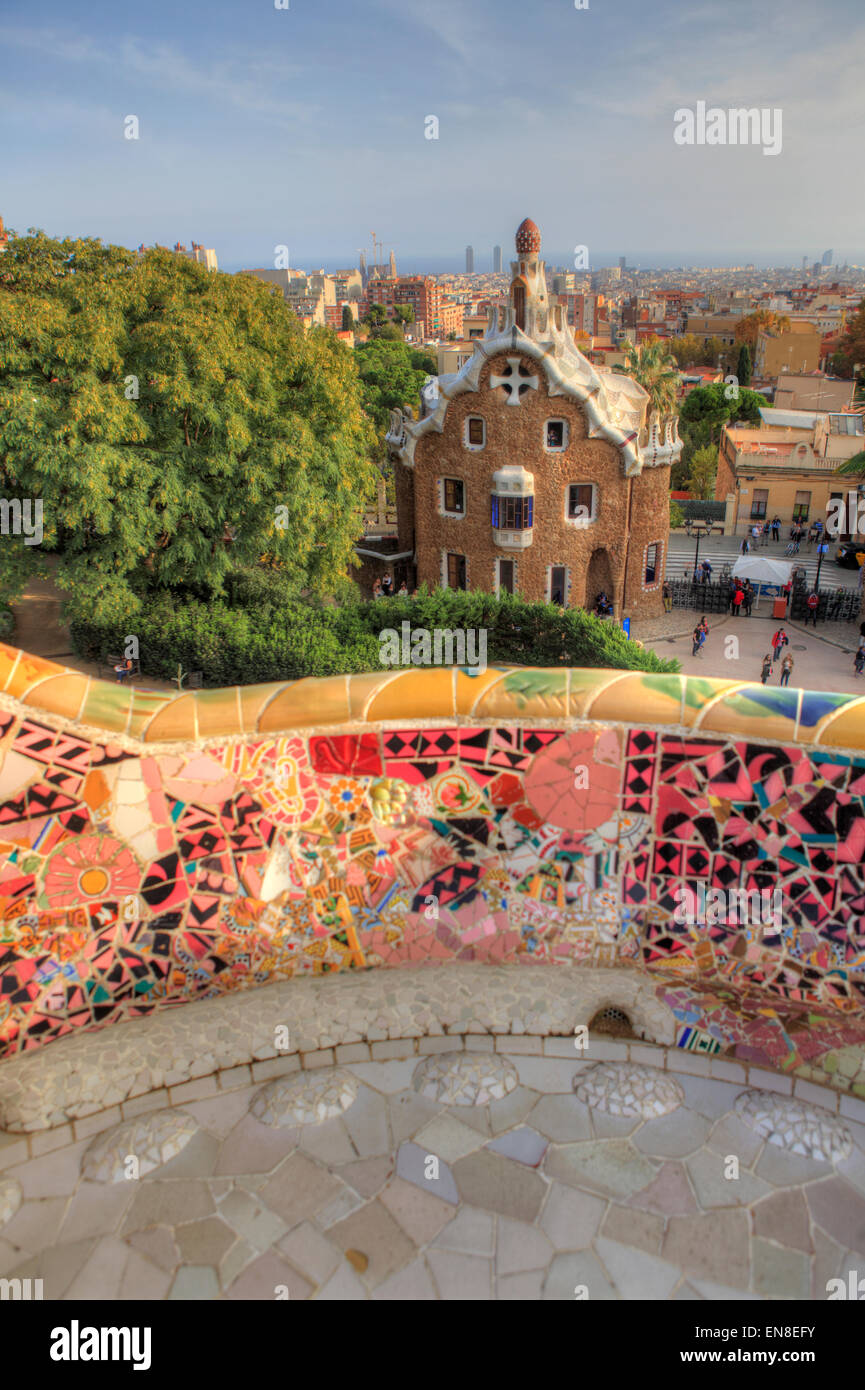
(472, 1174)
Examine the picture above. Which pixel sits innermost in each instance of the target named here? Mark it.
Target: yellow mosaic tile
(470, 690)
(251, 700)
(28, 672)
(846, 729)
(162, 723)
(755, 711)
(636, 698)
(63, 694)
(362, 689)
(422, 694)
(216, 712)
(527, 693)
(306, 703)
(9, 658)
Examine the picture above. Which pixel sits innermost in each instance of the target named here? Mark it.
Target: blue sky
(305, 127)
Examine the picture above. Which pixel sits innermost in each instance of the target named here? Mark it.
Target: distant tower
(816, 268)
(804, 265)
(623, 264)
(470, 260)
(497, 260)
(362, 267)
(827, 257)
(392, 266)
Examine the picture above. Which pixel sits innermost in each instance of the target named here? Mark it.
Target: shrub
(263, 632)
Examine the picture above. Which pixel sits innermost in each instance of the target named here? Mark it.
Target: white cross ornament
(513, 381)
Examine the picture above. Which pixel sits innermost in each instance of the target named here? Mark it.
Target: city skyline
(238, 113)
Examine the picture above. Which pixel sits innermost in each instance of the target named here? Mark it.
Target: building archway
(599, 576)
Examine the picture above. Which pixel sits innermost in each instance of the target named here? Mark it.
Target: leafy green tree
(391, 376)
(716, 405)
(174, 423)
(655, 369)
(677, 515)
(743, 365)
(347, 319)
(375, 316)
(703, 472)
(403, 313)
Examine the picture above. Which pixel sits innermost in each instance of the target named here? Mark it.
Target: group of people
(383, 588)
(740, 597)
(603, 607)
(780, 640)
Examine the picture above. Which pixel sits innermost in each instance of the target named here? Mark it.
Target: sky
(306, 127)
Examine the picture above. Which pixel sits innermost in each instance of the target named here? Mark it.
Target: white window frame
(474, 448)
(566, 435)
(443, 511)
(580, 522)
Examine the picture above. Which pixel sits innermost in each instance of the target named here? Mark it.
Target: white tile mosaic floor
(530, 1195)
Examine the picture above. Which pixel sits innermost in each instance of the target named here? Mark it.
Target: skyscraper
(497, 260)
(470, 260)
(828, 257)
(804, 265)
(623, 264)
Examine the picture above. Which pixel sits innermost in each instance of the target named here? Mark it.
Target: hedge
(256, 636)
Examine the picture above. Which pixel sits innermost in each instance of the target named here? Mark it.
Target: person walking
(788, 589)
(811, 603)
(764, 539)
(776, 528)
(707, 572)
(698, 639)
(746, 545)
(767, 668)
(859, 659)
(779, 641)
(786, 668)
(738, 599)
(668, 598)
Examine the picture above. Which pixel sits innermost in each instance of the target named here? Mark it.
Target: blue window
(512, 513)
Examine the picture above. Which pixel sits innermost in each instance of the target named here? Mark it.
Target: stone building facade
(532, 471)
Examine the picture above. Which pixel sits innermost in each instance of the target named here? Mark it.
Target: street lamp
(701, 529)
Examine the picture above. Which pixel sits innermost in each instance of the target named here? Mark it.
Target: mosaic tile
(793, 1125)
(151, 1140)
(465, 1078)
(307, 1099)
(628, 1090)
(10, 1199)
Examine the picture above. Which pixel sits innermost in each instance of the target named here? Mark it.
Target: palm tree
(657, 372)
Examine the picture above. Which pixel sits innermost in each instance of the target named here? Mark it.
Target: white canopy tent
(766, 574)
(762, 569)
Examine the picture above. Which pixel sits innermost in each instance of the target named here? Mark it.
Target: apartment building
(786, 466)
(813, 391)
(797, 349)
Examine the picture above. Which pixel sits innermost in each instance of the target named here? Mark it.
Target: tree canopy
(174, 423)
(748, 328)
(391, 375)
